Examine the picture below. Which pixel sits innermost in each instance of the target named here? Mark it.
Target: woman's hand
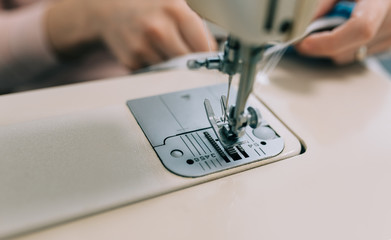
(139, 33)
(369, 25)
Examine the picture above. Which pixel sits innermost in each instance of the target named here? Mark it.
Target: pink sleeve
(24, 47)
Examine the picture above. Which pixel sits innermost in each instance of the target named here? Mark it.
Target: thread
(270, 62)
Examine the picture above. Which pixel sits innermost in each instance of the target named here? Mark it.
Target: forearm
(24, 47)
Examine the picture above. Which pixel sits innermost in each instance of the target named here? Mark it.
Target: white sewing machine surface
(66, 154)
(60, 168)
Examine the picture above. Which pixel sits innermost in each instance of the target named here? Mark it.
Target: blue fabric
(342, 9)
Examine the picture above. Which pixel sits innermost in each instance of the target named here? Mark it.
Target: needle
(226, 104)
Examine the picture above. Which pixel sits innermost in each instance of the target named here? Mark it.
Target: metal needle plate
(178, 129)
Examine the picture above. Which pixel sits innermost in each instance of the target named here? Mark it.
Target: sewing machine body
(264, 20)
(103, 160)
(72, 165)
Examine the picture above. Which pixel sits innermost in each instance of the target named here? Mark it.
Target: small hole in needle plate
(190, 161)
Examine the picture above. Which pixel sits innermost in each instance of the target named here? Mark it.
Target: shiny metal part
(209, 63)
(231, 57)
(228, 91)
(228, 62)
(187, 145)
(221, 128)
(255, 117)
(224, 108)
(249, 57)
(237, 58)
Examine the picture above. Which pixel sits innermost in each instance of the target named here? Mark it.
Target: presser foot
(222, 126)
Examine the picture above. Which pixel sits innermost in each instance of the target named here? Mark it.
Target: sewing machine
(266, 22)
(65, 156)
(237, 137)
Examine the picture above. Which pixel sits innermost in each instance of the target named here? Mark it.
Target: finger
(165, 37)
(324, 7)
(194, 31)
(152, 56)
(196, 34)
(373, 48)
(146, 52)
(141, 52)
(384, 32)
(118, 43)
(379, 46)
(380, 39)
(358, 30)
(115, 44)
(345, 58)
